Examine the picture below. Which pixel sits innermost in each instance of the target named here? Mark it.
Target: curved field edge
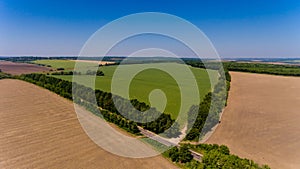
(41, 130)
(261, 120)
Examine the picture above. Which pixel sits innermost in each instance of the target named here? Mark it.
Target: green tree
(173, 153)
(184, 154)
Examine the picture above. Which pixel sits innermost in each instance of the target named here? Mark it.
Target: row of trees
(117, 119)
(214, 157)
(286, 70)
(66, 73)
(97, 73)
(122, 122)
(84, 96)
(4, 75)
(275, 69)
(145, 116)
(204, 148)
(203, 117)
(89, 72)
(122, 110)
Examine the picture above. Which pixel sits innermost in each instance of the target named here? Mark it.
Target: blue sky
(262, 28)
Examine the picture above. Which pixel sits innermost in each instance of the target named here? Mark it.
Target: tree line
(203, 117)
(4, 75)
(88, 72)
(29, 59)
(214, 157)
(117, 119)
(285, 70)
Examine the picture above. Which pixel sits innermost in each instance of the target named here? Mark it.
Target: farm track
(261, 121)
(39, 129)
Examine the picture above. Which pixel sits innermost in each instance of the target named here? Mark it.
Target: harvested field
(261, 121)
(39, 129)
(21, 68)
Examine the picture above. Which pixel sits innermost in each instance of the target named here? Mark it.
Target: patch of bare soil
(40, 129)
(262, 120)
(21, 68)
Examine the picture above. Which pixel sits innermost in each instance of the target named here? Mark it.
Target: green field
(67, 64)
(144, 82)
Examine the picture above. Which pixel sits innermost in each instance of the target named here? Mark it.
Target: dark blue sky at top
(264, 28)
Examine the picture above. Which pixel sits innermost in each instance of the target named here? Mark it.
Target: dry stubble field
(39, 129)
(262, 120)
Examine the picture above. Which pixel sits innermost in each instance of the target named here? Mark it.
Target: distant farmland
(67, 64)
(143, 83)
(21, 68)
(39, 129)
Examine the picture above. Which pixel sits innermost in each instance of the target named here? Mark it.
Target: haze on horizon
(237, 29)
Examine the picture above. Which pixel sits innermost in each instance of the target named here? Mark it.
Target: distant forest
(274, 69)
(251, 67)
